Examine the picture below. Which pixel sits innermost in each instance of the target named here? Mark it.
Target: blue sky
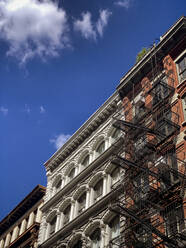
(59, 61)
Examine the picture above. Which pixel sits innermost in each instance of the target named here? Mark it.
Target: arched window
(114, 227)
(115, 175)
(53, 225)
(101, 148)
(81, 203)
(96, 238)
(85, 161)
(58, 185)
(116, 134)
(66, 213)
(98, 190)
(71, 175)
(78, 244)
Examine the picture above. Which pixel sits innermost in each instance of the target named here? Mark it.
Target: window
(184, 106)
(115, 227)
(115, 175)
(116, 134)
(181, 65)
(86, 161)
(58, 185)
(78, 244)
(53, 225)
(174, 219)
(96, 239)
(98, 190)
(72, 174)
(81, 203)
(101, 148)
(66, 215)
(161, 91)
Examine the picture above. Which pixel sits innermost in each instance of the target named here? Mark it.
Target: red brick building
(152, 207)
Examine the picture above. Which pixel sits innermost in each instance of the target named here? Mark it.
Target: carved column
(57, 221)
(102, 236)
(109, 183)
(104, 184)
(72, 210)
(91, 196)
(47, 231)
(87, 198)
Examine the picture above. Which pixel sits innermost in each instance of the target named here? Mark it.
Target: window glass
(96, 239)
(98, 190)
(116, 134)
(182, 68)
(53, 225)
(101, 147)
(115, 175)
(66, 215)
(184, 106)
(72, 174)
(82, 202)
(86, 161)
(78, 244)
(58, 185)
(115, 227)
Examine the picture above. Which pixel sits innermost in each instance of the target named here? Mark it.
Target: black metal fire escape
(152, 188)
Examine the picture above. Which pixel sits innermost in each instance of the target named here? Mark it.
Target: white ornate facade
(79, 190)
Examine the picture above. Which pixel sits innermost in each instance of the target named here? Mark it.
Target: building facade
(19, 229)
(120, 180)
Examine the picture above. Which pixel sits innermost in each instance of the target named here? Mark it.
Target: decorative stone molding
(95, 178)
(65, 204)
(80, 190)
(51, 215)
(92, 225)
(97, 141)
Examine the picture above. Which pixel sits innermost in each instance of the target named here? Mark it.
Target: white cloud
(89, 29)
(27, 109)
(85, 26)
(4, 110)
(103, 21)
(123, 3)
(42, 109)
(60, 140)
(33, 28)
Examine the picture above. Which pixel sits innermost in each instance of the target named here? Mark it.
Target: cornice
(142, 67)
(99, 117)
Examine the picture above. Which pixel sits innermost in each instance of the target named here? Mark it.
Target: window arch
(115, 175)
(116, 134)
(86, 161)
(81, 203)
(101, 148)
(57, 183)
(114, 227)
(98, 190)
(66, 213)
(71, 174)
(96, 238)
(52, 225)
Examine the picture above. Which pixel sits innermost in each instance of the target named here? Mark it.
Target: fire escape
(152, 188)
